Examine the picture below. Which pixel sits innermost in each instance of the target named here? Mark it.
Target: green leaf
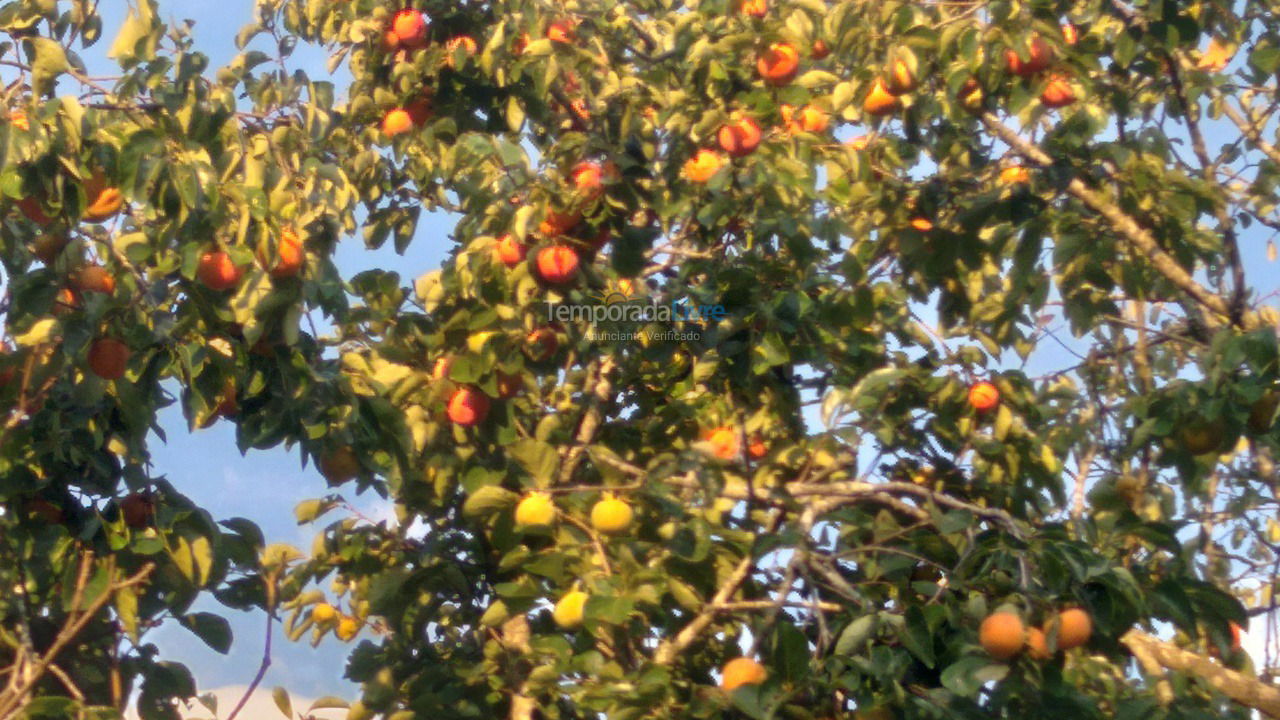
(281, 696)
(916, 636)
(487, 501)
(214, 630)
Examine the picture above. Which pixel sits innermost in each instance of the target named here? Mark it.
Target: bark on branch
(1137, 236)
(1243, 689)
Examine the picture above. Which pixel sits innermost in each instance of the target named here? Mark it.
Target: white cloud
(259, 707)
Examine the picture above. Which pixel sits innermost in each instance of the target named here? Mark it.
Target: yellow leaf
(1217, 56)
(39, 333)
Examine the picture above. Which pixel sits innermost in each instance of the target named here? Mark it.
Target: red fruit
(34, 211)
(1039, 58)
(740, 137)
(819, 50)
(468, 406)
(410, 28)
(419, 110)
(136, 509)
(108, 358)
(557, 264)
(217, 271)
(510, 251)
(509, 385)
(541, 344)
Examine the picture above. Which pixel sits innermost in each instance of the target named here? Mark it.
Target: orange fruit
(742, 671)
(108, 358)
(1057, 93)
(1073, 626)
(1235, 634)
(588, 178)
(1070, 35)
(560, 31)
(217, 271)
(778, 64)
(753, 8)
(741, 136)
(468, 407)
(922, 224)
(809, 119)
(339, 465)
(1015, 175)
(466, 42)
(703, 166)
(410, 28)
(48, 246)
(880, 101)
(94, 278)
(510, 251)
(558, 223)
(723, 442)
(1037, 644)
(971, 96)
(557, 264)
(901, 79)
(1002, 635)
(396, 121)
(104, 201)
(983, 396)
(65, 301)
(18, 119)
(291, 255)
(819, 50)
(756, 448)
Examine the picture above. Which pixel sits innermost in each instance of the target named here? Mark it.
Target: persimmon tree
(949, 389)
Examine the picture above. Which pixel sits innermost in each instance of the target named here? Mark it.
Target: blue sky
(262, 486)
(265, 486)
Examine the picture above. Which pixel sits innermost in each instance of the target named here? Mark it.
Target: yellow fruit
(536, 509)
(742, 671)
(323, 613)
(568, 612)
(1002, 635)
(348, 628)
(611, 515)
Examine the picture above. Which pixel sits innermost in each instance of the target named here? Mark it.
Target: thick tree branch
(1139, 237)
(1241, 688)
